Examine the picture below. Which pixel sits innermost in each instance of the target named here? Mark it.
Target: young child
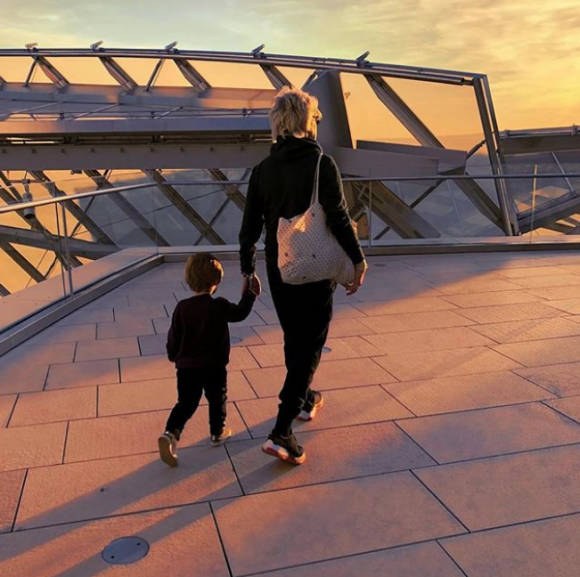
(199, 344)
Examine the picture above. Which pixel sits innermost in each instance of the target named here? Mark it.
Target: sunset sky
(529, 49)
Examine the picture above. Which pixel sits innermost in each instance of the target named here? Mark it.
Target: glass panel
(171, 76)
(139, 69)
(228, 74)
(83, 70)
(15, 68)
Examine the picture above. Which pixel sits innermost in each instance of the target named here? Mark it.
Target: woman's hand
(253, 284)
(360, 271)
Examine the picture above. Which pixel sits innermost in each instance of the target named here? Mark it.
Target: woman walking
(281, 187)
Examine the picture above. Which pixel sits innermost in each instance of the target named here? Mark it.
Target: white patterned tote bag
(307, 249)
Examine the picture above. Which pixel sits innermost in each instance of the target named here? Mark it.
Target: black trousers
(191, 384)
(305, 312)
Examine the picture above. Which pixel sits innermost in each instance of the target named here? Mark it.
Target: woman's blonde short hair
(293, 111)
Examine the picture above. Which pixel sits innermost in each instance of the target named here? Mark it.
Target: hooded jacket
(281, 186)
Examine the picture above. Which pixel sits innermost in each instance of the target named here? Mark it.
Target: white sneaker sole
(165, 451)
(270, 448)
(309, 416)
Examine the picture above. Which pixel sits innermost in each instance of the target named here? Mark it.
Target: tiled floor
(448, 446)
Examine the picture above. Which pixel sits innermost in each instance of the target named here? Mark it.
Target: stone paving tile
(137, 433)
(241, 359)
(542, 549)
(505, 313)
(569, 407)
(339, 328)
(20, 378)
(35, 446)
(446, 363)
(547, 281)
(396, 510)
(387, 294)
(67, 375)
(405, 306)
(184, 539)
(415, 321)
(329, 375)
(509, 489)
(491, 432)
(122, 485)
(107, 349)
(557, 293)
(6, 407)
(545, 352)
(53, 406)
(65, 334)
(145, 368)
(346, 348)
(152, 311)
(492, 299)
(529, 330)
(37, 355)
(343, 408)
(571, 306)
(84, 316)
(533, 271)
(130, 328)
(10, 490)
(162, 325)
(333, 455)
(152, 345)
(254, 319)
(424, 560)
(465, 392)
(475, 286)
(248, 336)
(155, 394)
(561, 380)
(429, 340)
(109, 301)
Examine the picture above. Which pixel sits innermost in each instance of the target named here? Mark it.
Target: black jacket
(199, 336)
(281, 186)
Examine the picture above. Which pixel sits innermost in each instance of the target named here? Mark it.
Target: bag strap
(314, 198)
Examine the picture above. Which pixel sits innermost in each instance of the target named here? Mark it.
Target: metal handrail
(225, 183)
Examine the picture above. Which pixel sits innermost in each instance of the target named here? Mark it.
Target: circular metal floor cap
(326, 350)
(125, 550)
(380, 264)
(235, 340)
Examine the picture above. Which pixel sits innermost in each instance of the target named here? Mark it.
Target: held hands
(360, 271)
(252, 284)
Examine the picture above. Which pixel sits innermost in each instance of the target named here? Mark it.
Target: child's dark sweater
(199, 335)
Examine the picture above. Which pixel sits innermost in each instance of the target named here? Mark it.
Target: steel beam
(19, 258)
(277, 78)
(140, 221)
(549, 212)
(199, 83)
(117, 72)
(232, 190)
(52, 72)
(4, 292)
(79, 248)
(396, 213)
(183, 206)
(508, 212)
(387, 95)
(73, 208)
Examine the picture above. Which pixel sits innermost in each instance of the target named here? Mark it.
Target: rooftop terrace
(449, 444)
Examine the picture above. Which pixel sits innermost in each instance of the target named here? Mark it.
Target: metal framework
(148, 125)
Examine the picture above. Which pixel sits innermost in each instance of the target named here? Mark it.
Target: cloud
(528, 49)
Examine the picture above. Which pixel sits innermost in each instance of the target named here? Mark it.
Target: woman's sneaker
(285, 448)
(168, 448)
(308, 412)
(217, 440)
